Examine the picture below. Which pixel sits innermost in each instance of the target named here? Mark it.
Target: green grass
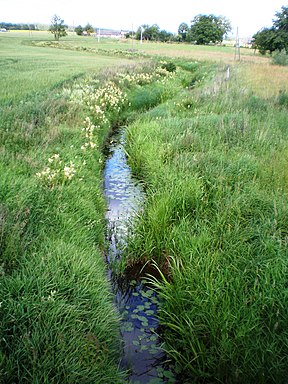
(214, 161)
(25, 68)
(213, 156)
(58, 322)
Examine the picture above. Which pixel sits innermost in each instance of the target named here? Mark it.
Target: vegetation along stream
(137, 303)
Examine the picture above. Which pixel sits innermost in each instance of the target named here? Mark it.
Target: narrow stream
(137, 303)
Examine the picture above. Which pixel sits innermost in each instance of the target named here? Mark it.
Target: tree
(264, 40)
(274, 38)
(57, 27)
(151, 33)
(148, 32)
(165, 36)
(89, 29)
(79, 30)
(183, 31)
(281, 23)
(206, 29)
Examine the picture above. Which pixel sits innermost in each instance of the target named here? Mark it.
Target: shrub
(170, 67)
(280, 57)
(283, 98)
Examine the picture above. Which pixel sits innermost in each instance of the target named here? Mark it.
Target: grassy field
(25, 68)
(213, 154)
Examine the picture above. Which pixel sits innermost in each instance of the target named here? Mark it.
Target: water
(137, 303)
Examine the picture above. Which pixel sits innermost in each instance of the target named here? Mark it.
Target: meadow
(212, 153)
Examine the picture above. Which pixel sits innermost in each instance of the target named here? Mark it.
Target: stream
(137, 303)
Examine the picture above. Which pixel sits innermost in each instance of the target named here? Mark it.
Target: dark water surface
(137, 303)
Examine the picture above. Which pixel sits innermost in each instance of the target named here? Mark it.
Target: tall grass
(215, 221)
(213, 157)
(58, 323)
(57, 319)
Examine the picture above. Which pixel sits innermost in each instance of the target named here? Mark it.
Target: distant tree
(151, 33)
(22, 27)
(138, 33)
(274, 38)
(264, 40)
(183, 31)
(57, 27)
(165, 36)
(89, 29)
(206, 29)
(79, 30)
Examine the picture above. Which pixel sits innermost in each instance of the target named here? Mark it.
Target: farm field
(212, 153)
(26, 69)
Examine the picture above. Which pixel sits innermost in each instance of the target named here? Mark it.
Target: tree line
(204, 29)
(22, 27)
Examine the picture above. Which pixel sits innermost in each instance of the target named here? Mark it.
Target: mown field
(213, 155)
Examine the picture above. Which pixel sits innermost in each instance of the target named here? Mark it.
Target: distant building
(3, 30)
(245, 42)
(111, 33)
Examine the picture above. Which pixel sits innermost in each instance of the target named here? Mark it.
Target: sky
(248, 15)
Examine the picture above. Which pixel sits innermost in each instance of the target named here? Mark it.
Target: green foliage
(143, 99)
(183, 31)
(283, 99)
(281, 21)
(57, 27)
(79, 30)
(274, 38)
(280, 57)
(89, 29)
(22, 27)
(170, 66)
(153, 33)
(206, 29)
(264, 40)
(148, 32)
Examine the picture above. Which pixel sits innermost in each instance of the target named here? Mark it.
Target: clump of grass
(283, 98)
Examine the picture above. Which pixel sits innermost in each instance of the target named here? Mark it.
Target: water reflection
(136, 301)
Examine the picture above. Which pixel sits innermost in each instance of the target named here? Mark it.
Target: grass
(213, 156)
(25, 68)
(58, 322)
(214, 160)
(265, 81)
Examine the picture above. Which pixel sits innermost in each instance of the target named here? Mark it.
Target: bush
(170, 67)
(280, 57)
(283, 98)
